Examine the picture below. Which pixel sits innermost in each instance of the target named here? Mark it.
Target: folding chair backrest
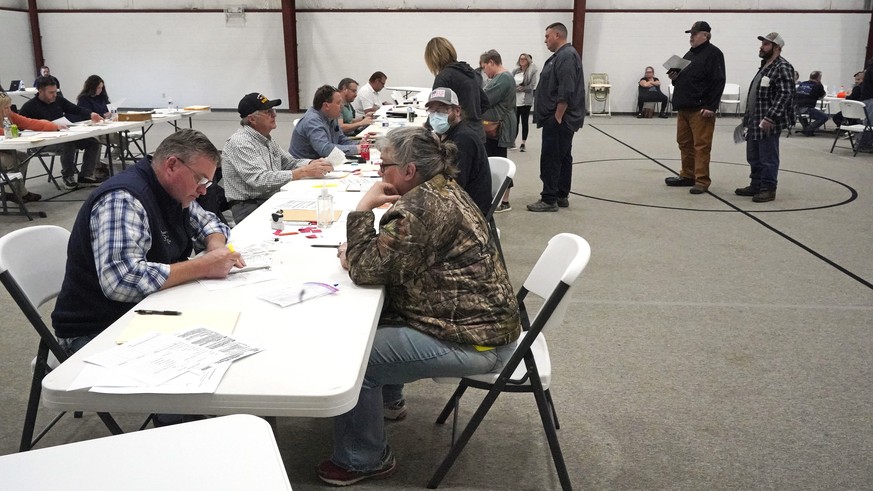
(502, 170)
(731, 92)
(561, 262)
(853, 109)
(35, 257)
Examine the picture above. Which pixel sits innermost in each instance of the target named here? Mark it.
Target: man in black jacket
(697, 91)
(444, 115)
(49, 105)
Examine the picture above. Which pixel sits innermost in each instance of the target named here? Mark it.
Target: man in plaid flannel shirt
(769, 110)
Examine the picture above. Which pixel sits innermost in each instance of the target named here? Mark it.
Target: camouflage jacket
(440, 266)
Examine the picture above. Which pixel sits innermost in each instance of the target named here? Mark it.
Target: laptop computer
(15, 85)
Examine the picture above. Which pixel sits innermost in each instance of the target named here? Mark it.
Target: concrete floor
(714, 343)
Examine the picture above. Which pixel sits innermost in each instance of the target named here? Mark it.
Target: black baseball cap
(255, 102)
(698, 26)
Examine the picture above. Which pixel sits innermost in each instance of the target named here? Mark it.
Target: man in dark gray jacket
(559, 109)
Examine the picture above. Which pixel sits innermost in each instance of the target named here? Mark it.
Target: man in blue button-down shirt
(318, 132)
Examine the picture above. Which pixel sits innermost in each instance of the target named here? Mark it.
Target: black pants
(522, 114)
(556, 161)
(652, 96)
(493, 149)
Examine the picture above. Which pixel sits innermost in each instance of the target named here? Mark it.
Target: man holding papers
(697, 91)
(134, 234)
(318, 132)
(254, 165)
(51, 106)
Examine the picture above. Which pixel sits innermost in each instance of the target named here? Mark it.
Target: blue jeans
(72, 345)
(763, 157)
(401, 355)
(556, 160)
(816, 119)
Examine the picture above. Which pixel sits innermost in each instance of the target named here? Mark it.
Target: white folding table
(315, 353)
(227, 453)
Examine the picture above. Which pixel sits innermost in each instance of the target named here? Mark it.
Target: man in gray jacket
(560, 111)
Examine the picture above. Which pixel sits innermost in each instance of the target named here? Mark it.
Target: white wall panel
(193, 58)
(17, 46)
(198, 59)
(451, 4)
(625, 56)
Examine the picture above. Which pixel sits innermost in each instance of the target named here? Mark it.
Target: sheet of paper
(336, 157)
(242, 278)
(256, 257)
(676, 63)
(286, 297)
(62, 121)
(739, 134)
(157, 358)
(187, 383)
(118, 103)
(222, 321)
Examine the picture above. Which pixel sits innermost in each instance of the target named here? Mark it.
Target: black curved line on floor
(853, 194)
(756, 219)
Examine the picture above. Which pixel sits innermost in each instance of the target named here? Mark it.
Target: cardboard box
(135, 116)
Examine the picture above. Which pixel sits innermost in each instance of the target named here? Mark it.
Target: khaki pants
(10, 161)
(694, 136)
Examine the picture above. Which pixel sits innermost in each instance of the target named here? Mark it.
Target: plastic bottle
(13, 131)
(365, 150)
(170, 104)
(842, 93)
(324, 209)
(410, 114)
(7, 127)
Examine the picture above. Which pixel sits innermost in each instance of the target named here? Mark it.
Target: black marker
(325, 245)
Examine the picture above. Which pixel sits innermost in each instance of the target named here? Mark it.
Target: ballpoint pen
(158, 312)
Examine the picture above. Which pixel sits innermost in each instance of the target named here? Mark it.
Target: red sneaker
(336, 475)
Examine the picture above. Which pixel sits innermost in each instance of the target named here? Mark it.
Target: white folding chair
(730, 97)
(853, 110)
(32, 265)
(529, 369)
(6, 180)
(502, 172)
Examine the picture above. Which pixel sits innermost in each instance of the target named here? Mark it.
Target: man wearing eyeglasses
(134, 235)
(254, 165)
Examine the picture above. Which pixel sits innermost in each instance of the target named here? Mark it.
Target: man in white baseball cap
(769, 110)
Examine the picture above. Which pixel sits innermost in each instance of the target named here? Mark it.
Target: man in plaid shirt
(769, 110)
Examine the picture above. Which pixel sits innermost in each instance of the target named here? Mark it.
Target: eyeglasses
(383, 166)
(269, 112)
(441, 110)
(201, 179)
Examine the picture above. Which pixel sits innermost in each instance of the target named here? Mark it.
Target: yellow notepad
(221, 321)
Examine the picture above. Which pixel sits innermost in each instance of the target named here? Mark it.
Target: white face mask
(439, 122)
